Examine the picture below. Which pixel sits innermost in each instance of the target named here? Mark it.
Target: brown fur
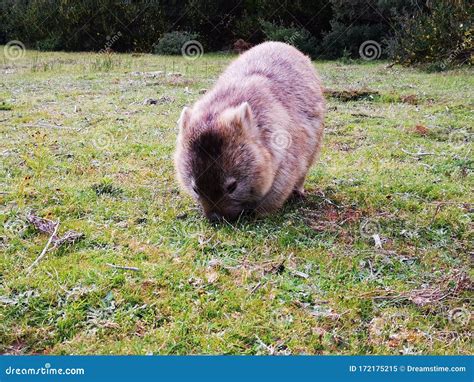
(248, 143)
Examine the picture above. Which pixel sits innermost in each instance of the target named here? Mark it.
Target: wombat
(248, 143)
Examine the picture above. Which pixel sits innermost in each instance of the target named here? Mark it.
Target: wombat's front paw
(297, 196)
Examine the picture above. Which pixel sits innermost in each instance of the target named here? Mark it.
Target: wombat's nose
(214, 217)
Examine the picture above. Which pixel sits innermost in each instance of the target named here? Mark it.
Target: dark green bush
(410, 31)
(172, 43)
(344, 41)
(248, 28)
(298, 37)
(87, 24)
(441, 36)
(82, 25)
(357, 21)
(49, 44)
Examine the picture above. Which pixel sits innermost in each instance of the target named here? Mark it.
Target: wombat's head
(220, 161)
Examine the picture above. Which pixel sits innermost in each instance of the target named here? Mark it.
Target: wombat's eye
(231, 187)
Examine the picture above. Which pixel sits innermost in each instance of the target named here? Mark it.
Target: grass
(84, 142)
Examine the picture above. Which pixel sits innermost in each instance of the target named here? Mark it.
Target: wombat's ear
(184, 118)
(241, 115)
(244, 114)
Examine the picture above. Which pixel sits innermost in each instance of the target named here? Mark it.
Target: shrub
(171, 43)
(248, 28)
(345, 41)
(441, 36)
(412, 32)
(82, 25)
(49, 44)
(300, 38)
(357, 21)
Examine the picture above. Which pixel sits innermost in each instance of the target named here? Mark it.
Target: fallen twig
(256, 287)
(417, 154)
(299, 274)
(269, 349)
(50, 126)
(45, 249)
(123, 267)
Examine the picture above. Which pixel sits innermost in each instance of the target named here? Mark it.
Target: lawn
(376, 260)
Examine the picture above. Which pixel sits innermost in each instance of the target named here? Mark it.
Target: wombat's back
(294, 80)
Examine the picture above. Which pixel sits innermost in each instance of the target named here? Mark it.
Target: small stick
(269, 349)
(122, 267)
(438, 208)
(45, 249)
(418, 154)
(300, 274)
(47, 126)
(256, 287)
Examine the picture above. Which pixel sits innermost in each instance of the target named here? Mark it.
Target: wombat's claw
(297, 195)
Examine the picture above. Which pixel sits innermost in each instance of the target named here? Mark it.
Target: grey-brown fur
(248, 143)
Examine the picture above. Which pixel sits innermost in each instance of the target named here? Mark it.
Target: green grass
(79, 144)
